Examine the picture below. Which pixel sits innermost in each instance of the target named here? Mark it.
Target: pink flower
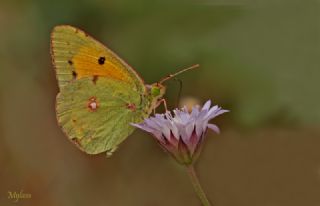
(182, 133)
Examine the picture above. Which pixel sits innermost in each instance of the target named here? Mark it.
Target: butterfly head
(156, 90)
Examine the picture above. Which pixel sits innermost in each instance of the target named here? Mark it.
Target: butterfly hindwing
(97, 116)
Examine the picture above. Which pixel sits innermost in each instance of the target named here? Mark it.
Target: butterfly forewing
(76, 55)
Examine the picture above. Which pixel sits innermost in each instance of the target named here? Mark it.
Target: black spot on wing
(95, 78)
(74, 74)
(70, 62)
(76, 141)
(101, 60)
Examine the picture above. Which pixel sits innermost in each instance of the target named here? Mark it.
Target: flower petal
(207, 105)
(199, 128)
(175, 131)
(189, 129)
(142, 126)
(166, 130)
(146, 128)
(214, 128)
(195, 111)
(217, 113)
(151, 122)
(213, 110)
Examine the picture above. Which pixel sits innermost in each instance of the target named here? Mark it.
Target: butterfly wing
(99, 93)
(97, 116)
(77, 55)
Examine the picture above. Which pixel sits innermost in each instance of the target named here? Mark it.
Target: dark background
(260, 59)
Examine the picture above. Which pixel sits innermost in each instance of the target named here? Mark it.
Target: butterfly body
(99, 94)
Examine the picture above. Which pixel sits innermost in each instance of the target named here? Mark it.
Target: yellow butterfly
(100, 94)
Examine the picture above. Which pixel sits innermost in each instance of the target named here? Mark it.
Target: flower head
(181, 133)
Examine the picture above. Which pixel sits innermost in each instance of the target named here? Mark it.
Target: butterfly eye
(155, 91)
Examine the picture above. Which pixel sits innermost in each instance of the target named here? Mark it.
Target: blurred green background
(260, 59)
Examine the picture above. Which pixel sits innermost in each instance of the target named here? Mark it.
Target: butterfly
(99, 94)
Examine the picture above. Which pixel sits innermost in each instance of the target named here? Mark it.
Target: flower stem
(197, 187)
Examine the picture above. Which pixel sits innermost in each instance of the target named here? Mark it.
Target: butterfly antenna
(179, 72)
(179, 93)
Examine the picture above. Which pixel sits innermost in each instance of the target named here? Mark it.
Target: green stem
(197, 187)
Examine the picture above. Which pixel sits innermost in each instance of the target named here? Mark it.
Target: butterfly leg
(163, 100)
